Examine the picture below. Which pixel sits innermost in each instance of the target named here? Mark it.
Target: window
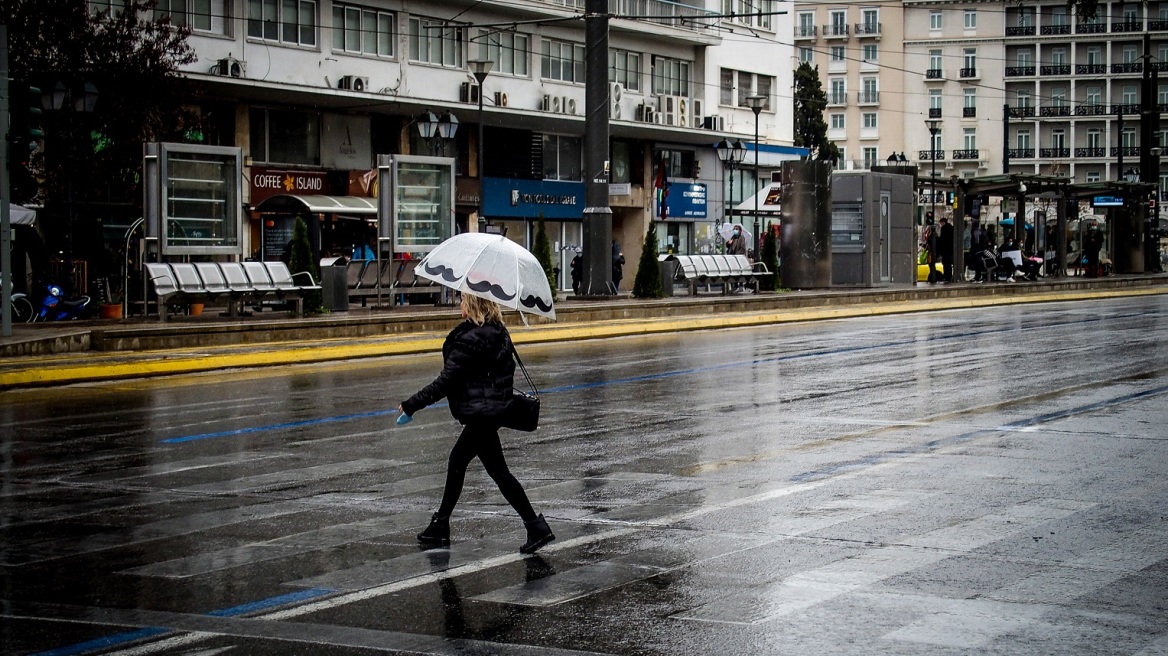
(1129, 94)
(112, 7)
(935, 99)
(1024, 57)
(934, 60)
(806, 24)
(1058, 97)
(839, 91)
(868, 53)
(838, 122)
(839, 22)
(871, 19)
(1026, 17)
(969, 58)
(970, 97)
(1093, 176)
(509, 51)
(1129, 55)
(1058, 56)
(843, 156)
(1094, 55)
(1024, 140)
(1023, 98)
(970, 19)
(934, 20)
(200, 15)
(1164, 50)
(806, 55)
(436, 42)
(562, 157)
(935, 143)
(1058, 139)
(969, 138)
(363, 30)
(753, 13)
(869, 119)
(871, 158)
(285, 137)
(1094, 95)
(1058, 16)
(670, 76)
(561, 60)
(625, 67)
(1128, 138)
(837, 53)
(1094, 138)
(286, 21)
(1162, 94)
(737, 86)
(870, 89)
(726, 90)
(1130, 14)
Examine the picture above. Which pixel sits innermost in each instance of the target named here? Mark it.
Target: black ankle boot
(538, 534)
(437, 533)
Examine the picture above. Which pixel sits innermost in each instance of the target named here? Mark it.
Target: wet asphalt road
(990, 480)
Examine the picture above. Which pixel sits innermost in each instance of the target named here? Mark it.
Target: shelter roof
(318, 204)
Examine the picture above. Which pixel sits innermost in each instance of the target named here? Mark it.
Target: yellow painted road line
(114, 366)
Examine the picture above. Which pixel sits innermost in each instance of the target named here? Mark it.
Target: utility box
(668, 269)
(334, 283)
(872, 228)
(806, 225)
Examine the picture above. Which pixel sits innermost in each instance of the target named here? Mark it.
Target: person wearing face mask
(737, 242)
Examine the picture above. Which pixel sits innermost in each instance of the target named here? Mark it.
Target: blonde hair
(480, 310)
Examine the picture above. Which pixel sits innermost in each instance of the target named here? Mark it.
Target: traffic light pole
(5, 204)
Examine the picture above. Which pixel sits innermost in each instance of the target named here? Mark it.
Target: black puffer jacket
(478, 374)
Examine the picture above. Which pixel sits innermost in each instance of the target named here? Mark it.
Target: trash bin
(668, 270)
(334, 283)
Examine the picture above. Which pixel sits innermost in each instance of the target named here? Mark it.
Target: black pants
(482, 441)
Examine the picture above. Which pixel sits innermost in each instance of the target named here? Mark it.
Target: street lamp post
(756, 105)
(731, 154)
(481, 68)
(79, 100)
(934, 130)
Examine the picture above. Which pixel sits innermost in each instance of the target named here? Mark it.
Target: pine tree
(301, 260)
(770, 257)
(543, 253)
(810, 126)
(648, 283)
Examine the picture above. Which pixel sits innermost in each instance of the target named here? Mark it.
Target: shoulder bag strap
(522, 368)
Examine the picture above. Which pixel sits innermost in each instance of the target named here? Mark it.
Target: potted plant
(111, 299)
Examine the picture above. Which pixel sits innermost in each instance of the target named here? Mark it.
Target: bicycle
(21, 310)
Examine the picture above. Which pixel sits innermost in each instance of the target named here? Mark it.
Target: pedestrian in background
(945, 250)
(618, 265)
(979, 244)
(929, 246)
(737, 242)
(577, 267)
(478, 370)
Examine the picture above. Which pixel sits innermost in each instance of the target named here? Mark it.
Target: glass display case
(423, 202)
(201, 190)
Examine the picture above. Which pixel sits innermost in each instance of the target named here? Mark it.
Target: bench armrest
(311, 282)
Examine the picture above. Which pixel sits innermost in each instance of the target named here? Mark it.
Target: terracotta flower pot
(111, 311)
(196, 309)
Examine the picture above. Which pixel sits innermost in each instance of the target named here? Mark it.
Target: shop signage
(1107, 201)
(620, 189)
(266, 183)
(685, 201)
(530, 199)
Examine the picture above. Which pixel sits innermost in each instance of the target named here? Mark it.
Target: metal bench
(724, 270)
(208, 281)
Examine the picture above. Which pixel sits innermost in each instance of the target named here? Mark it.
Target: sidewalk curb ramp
(80, 353)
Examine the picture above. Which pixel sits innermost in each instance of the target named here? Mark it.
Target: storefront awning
(318, 204)
(768, 203)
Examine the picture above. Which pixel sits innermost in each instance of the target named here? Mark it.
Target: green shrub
(648, 283)
(301, 260)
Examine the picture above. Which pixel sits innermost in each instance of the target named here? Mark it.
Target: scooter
(54, 307)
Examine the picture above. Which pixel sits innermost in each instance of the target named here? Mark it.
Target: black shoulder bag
(522, 412)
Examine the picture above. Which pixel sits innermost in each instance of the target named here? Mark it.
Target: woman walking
(477, 376)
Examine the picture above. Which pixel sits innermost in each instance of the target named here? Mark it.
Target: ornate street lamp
(756, 105)
(481, 68)
(731, 154)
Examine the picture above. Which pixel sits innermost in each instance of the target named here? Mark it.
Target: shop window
(562, 157)
(285, 137)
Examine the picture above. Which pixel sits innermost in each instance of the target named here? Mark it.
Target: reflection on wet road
(987, 480)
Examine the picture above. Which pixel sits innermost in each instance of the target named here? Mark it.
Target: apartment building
(858, 50)
(313, 90)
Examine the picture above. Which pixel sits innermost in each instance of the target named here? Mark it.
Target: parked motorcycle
(55, 307)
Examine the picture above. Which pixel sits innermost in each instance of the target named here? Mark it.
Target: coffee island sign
(266, 183)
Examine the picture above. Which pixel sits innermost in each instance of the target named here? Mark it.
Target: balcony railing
(868, 97)
(1021, 112)
(1157, 25)
(835, 31)
(967, 73)
(930, 155)
(934, 112)
(1057, 69)
(1128, 151)
(968, 112)
(1130, 108)
(1090, 28)
(1021, 153)
(837, 98)
(1163, 108)
(1128, 26)
(1160, 67)
(1054, 152)
(965, 154)
(934, 74)
(1091, 152)
(1090, 69)
(1020, 30)
(806, 31)
(1091, 109)
(1061, 110)
(1048, 30)
(867, 29)
(1130, 67)
(1017, 71)
(674, 14)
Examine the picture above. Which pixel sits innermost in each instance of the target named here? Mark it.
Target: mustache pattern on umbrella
(535, 301)
(488, 286)
(438, 270)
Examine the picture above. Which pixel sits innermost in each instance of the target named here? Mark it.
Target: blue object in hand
(404, 419)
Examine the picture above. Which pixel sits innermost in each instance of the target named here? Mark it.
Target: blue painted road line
(104, 643)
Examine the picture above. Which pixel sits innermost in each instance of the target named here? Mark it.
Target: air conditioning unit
(616, 92)
(501, 99)
(353, 83)
(546, 105)
(698, 115)
(684, 118)
(569, 105)
(714, 122)
(468, 93)
(674, 110)
(229, 67)
(646, 113)
(557, 104)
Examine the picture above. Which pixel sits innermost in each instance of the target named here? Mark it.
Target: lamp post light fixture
(731, 154)
(934, 130)
(481, 68)
(756, 105)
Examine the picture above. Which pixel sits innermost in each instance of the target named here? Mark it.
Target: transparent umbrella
(492, 267)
